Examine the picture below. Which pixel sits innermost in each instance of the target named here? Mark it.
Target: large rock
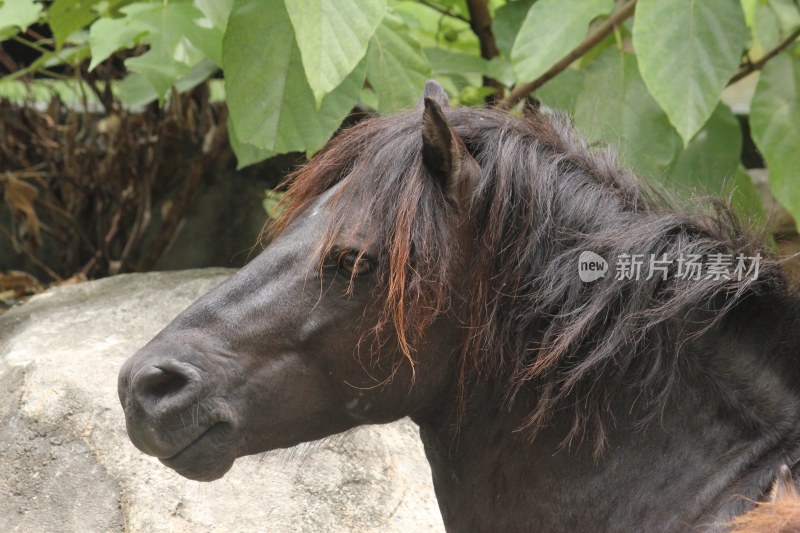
(66, 463)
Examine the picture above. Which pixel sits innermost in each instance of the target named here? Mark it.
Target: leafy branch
(749, 68)
(673, 77)
(598, 34)
(601, 32)
(443, 10)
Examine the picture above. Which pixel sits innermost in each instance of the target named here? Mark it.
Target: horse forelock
(386, 196)
(544, 196)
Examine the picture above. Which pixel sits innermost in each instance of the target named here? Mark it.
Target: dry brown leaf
(20, 197)
(74, 280)
(16, 284)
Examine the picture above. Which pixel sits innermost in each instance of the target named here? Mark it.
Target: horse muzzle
(170, 415)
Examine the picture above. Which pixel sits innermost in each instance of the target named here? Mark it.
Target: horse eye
(354, 263)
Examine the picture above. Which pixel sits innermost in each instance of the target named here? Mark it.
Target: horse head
(346, 318)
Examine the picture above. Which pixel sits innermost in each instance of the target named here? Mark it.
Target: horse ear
(435, 92)
(445, 155)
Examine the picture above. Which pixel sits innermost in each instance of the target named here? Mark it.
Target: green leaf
(173, 25)
(687, 51)
(444, 61)
(473, 96)
(136, 92)
(176, 42)
(217, 11)
(550, 30)
(749, 9)
(788, 13)
(272, 203)
(499, 68)
(767, 29)
(613, 39)
(17, 14)
(396, 67)
(614, 106)
(456, 70)
(74, 53)
(159, 69)
(506, 23)
(108, 35)
(774, 20)
(208, 41)
(775, 125)
(562, 92)
(269, 98)
(708, 164)
(68, 16)
(246, 154)
(197, 75)
(433, 29)
(368, 97)
(745, 197)
(332, 36)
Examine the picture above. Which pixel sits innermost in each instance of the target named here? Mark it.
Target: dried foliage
(97, 196)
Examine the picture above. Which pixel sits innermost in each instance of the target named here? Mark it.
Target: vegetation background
(114, 112)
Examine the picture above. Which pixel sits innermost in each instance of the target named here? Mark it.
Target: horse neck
(730, 420)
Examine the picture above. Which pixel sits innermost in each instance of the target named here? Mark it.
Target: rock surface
(66, 463)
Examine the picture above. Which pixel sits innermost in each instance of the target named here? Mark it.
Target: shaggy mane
(544, 196)
(782, 516)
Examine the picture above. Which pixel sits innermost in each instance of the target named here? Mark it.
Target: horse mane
(544, 196)
(780, 514)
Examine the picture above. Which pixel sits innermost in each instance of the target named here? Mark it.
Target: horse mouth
(208, 457)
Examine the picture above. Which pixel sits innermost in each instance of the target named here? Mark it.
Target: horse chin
(280, 436)
(208, 457)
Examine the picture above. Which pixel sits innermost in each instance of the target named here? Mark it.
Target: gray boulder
(66, 463)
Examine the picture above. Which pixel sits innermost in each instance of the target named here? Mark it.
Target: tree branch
(480, 20)
(749, 68)
(591, 40)
(443, 11)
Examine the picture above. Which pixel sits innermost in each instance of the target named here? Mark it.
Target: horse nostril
(167, 388)
(165, 383)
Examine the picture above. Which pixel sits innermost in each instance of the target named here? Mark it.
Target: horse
(472, 270)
